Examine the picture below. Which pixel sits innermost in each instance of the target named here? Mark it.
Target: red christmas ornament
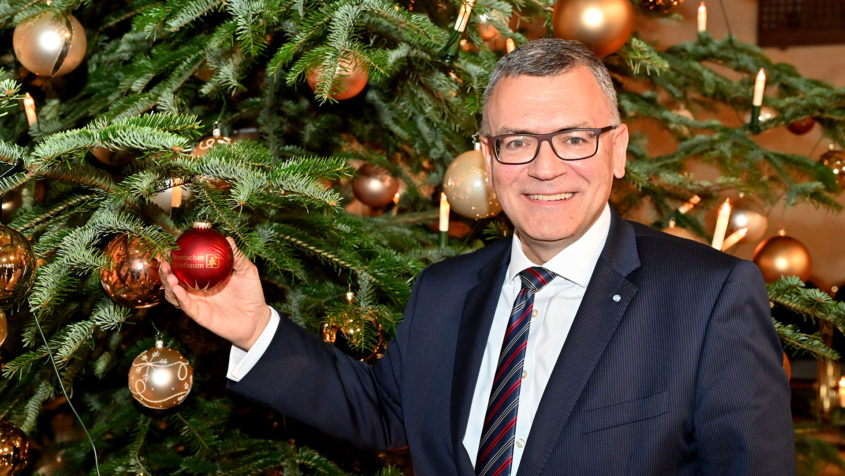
(204, 258)
(801, 126)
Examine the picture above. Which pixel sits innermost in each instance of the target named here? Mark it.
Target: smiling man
(584, 345)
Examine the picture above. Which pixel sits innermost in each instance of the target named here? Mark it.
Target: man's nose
(547, 165)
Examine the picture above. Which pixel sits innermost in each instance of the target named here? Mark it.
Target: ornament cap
(159, 344)
(202, 225)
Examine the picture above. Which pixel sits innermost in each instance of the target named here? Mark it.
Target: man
(587, 345)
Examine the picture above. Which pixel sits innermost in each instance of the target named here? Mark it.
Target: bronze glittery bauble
(835, 160)
(160, 378)
(466, 187)
(352, 78)
(14, 449)
(4, 328)
(747, 213)
(374, 186)
(602, 25)
(50, 43)
(17, 266)
(132, 280)
(783, 256)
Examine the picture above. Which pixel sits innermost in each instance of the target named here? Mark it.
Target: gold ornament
(374, 187)
(602, 25)
(14, 449)
(132, 280)
(659, 6)
(4, 328)
(747, 213)
(352, 78)
(112, 158)
(160, 377)
(173, 196)
(50, 44)
(349, 336)
(466, 187)
(835, 161)
(17, 266)
(783, 256)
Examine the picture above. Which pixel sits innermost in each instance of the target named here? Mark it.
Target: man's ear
(488, 159)
(620, 150)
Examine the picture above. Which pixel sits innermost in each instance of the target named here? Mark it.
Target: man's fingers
(241, 262)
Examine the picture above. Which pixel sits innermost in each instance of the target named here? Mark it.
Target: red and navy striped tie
(495, 452)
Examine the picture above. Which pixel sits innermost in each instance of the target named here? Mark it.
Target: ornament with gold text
(203, 259)
(14, 449)
(835, 161)
(467, 189)
(351, 78)
(17, 266)
(374, 186)
(783, 256)
(50, 43)
(602, 25)
(160, 378)
(132, 280)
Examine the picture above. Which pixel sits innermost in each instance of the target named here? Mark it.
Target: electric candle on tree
(204, 258)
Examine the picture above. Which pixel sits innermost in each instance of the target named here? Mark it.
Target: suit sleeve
(304, 378)
(742, 418)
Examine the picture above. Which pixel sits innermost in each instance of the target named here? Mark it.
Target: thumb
(241, 261)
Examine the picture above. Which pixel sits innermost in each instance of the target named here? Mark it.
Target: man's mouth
(550, 198)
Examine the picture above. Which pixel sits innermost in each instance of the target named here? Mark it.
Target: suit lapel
(595, 322)
(476, 319)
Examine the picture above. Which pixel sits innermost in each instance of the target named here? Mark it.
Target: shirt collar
(575, 262)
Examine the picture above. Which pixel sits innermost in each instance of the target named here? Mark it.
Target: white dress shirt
(555, 306)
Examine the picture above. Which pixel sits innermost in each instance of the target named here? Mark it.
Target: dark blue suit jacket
(672, 367)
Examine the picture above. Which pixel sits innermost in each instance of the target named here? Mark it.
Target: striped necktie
(495, 451)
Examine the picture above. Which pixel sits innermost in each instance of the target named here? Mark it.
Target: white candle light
(734, 238)
(444, 213)
(759, 87)
(702, 18)
(29, 108)
(721, 225)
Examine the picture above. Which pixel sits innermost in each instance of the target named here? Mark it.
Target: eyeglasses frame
(598, 131)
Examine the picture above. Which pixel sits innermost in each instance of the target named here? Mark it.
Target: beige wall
(822, 232)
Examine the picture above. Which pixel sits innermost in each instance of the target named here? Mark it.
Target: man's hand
(235, 310)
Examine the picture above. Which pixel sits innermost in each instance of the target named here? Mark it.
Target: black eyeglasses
(568, 144)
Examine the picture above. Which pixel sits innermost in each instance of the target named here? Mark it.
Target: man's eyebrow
(510, 130)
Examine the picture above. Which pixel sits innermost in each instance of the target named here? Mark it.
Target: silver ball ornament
(467, 189)
(374, 186)
(50, 44)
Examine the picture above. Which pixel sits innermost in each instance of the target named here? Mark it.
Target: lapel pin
(617, 298)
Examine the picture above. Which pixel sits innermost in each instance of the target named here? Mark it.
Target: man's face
(552, 202)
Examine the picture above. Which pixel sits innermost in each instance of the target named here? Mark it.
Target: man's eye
(515, 143)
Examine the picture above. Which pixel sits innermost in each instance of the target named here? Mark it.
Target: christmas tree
(319, 135)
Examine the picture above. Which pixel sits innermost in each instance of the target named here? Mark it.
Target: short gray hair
(550, 57)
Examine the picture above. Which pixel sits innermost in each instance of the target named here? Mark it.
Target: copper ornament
(374, 186)
(351, 80)
(602, 25)
(14, 449)
(466, 187)
(783, 256)
(160, 378)
(112, 158)
(132, 280)
(835, 161)
(50, 43)
(17, 266)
